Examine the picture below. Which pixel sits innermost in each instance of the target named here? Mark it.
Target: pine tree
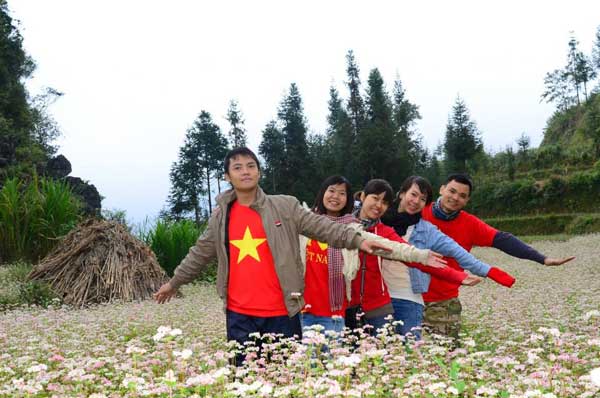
(297, 168)
(272, 150)
(596, 51)
(356, 107)
(340, 138)
(378, 151)
(411, 153)
(200, 158)
(237, 133)
(558, 89)
(462, 140)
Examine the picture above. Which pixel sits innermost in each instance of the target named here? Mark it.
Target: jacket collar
(225, 198)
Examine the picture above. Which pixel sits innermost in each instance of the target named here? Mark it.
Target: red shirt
(375, 291)
(316, 291)
(254, 287)
(468, 231)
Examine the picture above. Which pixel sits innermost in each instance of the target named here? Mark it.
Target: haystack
(100, 261)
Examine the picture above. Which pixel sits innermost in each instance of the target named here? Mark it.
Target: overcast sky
(135, 74)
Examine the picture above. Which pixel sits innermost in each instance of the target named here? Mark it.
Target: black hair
(461, 178)
(423, 184)
(235, 152)
(378, 186)
(319, 207)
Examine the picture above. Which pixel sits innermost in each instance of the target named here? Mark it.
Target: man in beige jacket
(254, 237)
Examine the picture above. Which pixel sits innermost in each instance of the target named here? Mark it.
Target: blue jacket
(427, 236)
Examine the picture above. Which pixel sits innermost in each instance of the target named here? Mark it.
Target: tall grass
(171, 241)
(33, 216)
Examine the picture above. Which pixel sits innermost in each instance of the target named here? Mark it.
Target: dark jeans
(411, 314)
(240, 326)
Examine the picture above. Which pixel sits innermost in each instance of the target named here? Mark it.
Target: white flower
(595, 376)
(590, 314)
(200, 380)
(483, 390)
(76, 373)
(351, 360)
(551, 331)
(266, 389)
(170, 376)
(164, 329)
(436, 387)
(175, 332)
(452, 390)
(158, 337)
(221, 372)
(184, 354)
(134, 350)
(533, 393)
(37, 368)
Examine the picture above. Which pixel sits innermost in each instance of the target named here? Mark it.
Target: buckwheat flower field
(539, 339)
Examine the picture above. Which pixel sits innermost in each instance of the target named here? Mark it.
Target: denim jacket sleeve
(441, 243)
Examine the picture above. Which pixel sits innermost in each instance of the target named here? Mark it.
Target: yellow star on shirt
(247, 246)
(322, 245)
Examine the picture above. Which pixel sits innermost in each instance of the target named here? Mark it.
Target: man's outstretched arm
(515, 247)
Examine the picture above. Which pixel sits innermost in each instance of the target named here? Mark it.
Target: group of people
(283, 267)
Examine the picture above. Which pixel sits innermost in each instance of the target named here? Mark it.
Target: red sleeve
(483, 234)
(447, 273)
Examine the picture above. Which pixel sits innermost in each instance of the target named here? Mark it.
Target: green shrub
(33, 216)
(585, 224)
(549, 224)
(17, 290)
(533, 225)
(171, 241)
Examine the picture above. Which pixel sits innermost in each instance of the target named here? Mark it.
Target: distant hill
(575, 129)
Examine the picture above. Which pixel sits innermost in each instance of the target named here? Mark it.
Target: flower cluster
(538, 339)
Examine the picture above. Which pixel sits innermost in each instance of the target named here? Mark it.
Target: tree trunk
(196, 210)
(209, 194)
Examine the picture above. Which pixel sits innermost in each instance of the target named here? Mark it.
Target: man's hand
(369, 246)
(557, 261)
(165, 293)
(471, 280)
(436, 260)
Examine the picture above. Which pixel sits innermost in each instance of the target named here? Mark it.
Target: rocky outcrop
(59, 168)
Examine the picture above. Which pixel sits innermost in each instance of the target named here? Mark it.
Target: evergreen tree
(237, 133)
(297, 168)
(558, 89)
(187, 186)
(585, 72)
(378, 150)
(411, 152)
(462, 141)
(340, 138)
(320, 155)
(199, 159)
(272, 150)
(596, 51)
(356, 107)
(523, 143)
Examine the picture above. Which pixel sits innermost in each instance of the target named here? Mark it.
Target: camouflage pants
(443, 317)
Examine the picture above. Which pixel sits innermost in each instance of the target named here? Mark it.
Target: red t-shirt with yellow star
(316, 291)
(254, 287)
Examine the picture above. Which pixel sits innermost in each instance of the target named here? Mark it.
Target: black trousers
(240, 326)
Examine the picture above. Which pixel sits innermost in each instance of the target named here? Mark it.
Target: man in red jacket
(442, 306)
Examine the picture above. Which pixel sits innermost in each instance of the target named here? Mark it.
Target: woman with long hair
(406, 285)
(369, 291)
(330, 271)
